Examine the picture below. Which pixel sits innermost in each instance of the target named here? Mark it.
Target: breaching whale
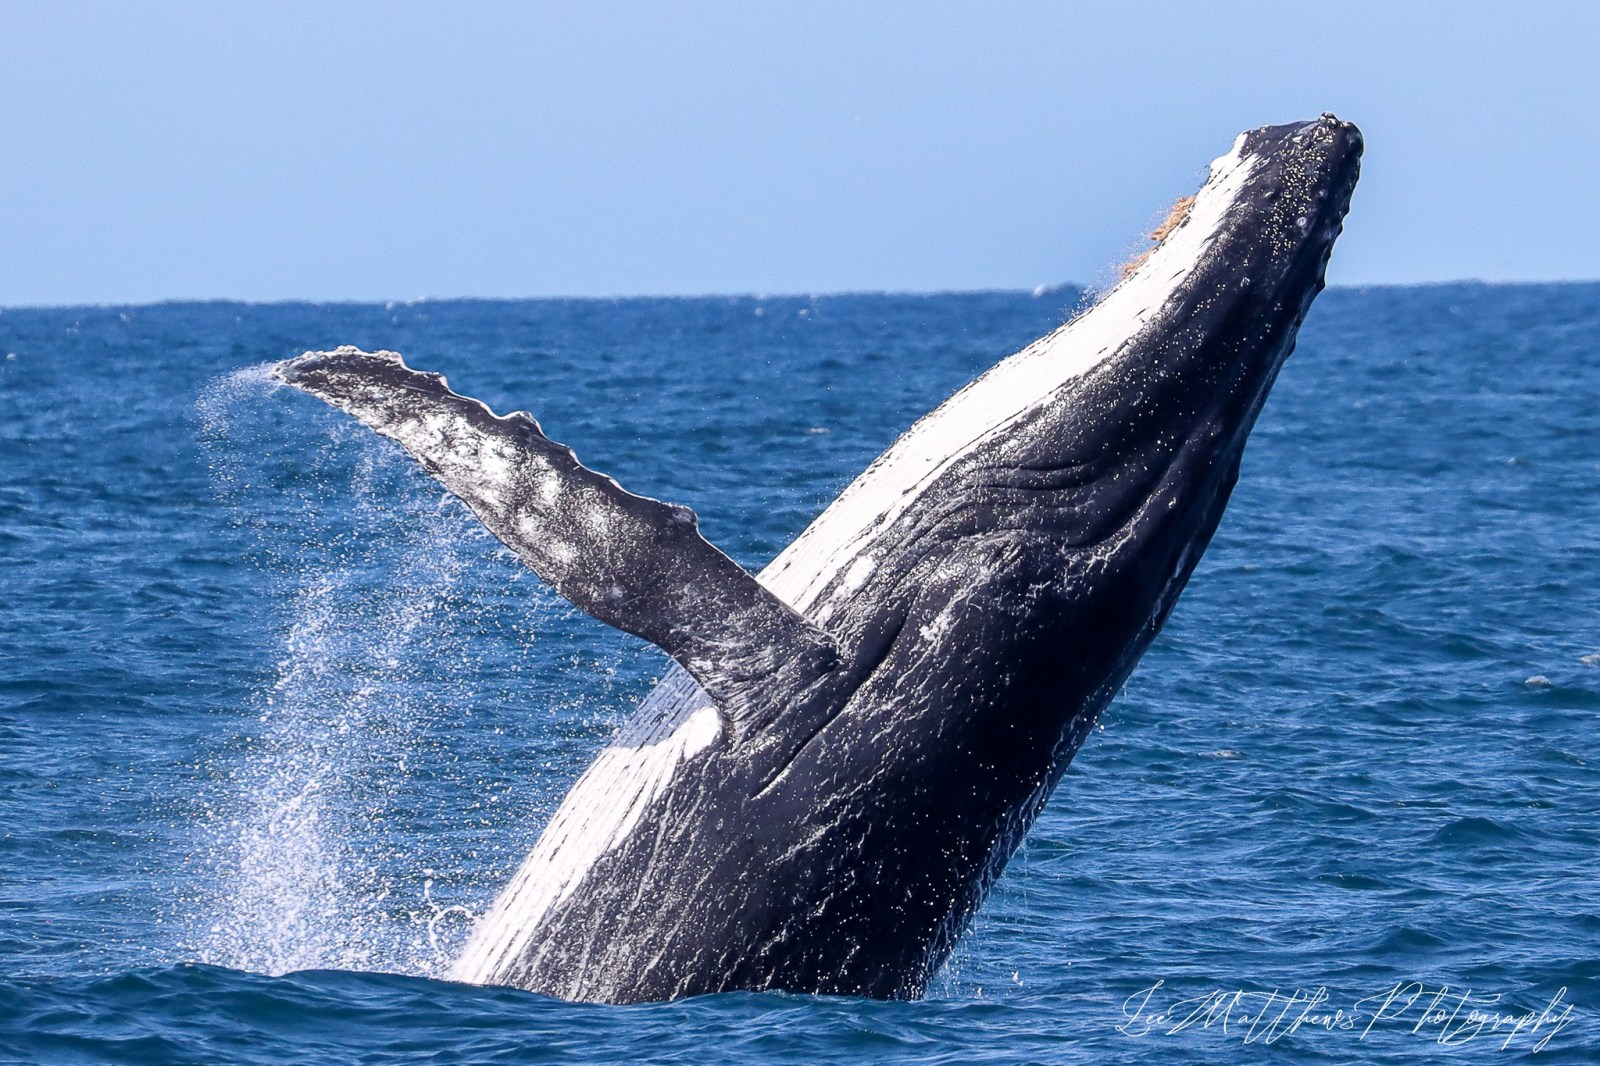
(851, 745)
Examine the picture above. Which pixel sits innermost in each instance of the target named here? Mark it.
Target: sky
(395, 151)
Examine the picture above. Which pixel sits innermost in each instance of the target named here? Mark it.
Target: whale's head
(1132, 457)
(1007, 561)
(1049, 513)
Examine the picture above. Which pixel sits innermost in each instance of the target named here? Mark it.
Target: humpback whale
(850, 745)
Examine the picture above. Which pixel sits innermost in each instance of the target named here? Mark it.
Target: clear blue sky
(392, 151)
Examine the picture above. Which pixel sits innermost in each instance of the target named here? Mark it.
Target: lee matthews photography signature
(1441, 1013)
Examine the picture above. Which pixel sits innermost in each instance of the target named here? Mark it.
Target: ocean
(277, 718)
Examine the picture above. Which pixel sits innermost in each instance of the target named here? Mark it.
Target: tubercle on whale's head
(1267, 261)
(1303, 186)
(1292, 201)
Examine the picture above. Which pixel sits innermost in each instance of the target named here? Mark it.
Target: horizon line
(1036, 292)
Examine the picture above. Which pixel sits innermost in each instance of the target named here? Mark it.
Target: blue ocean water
(277, 718)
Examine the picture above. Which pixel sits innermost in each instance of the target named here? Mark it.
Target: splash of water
(334, 736)
(312, 864)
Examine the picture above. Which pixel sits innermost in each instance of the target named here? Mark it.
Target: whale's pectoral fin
(633, 562)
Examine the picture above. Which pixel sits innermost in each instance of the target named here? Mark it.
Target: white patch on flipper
(548, 489)
(598, 814)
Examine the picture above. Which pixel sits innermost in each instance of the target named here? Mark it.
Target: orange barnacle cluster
(1174, 219)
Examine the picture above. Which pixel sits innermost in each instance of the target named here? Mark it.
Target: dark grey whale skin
(871, 783)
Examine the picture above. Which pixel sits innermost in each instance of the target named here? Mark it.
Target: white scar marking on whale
(670, 728)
